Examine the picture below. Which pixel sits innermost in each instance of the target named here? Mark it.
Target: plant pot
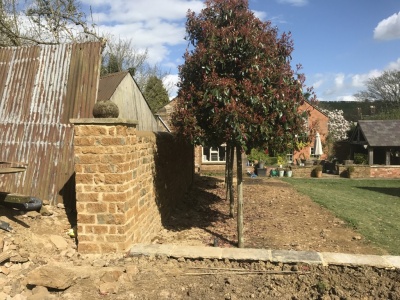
(318, 174)
(289, 173)
(261, 165)
(281, 173)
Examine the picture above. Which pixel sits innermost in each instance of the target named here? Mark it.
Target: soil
(44, 263)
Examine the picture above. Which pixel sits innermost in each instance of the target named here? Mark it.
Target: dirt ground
(43, 262)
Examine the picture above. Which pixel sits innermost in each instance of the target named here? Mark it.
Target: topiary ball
(105, 109)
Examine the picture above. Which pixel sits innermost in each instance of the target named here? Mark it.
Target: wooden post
(240, 197)
(370, 156)
(387, 161)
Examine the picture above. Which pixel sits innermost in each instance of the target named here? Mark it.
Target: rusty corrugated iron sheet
(41, 88)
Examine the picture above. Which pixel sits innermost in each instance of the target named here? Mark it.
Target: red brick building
(212, 159)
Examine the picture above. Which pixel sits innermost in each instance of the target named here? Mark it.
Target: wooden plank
(12, 170)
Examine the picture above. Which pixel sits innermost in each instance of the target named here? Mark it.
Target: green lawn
(370, 206)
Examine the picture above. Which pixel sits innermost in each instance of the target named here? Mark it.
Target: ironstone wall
(126, 182)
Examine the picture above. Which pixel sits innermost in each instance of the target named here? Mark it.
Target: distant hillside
(354, 110)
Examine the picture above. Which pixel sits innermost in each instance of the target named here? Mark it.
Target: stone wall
(385, 171)
(374, 171)
(126, 182)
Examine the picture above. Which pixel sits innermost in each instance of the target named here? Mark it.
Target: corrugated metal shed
(41, 88)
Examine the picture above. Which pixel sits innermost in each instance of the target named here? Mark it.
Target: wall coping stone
(104, 121)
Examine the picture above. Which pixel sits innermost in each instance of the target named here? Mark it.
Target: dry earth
(44, 263)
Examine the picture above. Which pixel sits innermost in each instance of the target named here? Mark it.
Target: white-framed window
(289, 157)
(214, 154)
(312, 152)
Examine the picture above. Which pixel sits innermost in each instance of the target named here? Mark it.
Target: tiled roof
(108, 84)
(384, 133)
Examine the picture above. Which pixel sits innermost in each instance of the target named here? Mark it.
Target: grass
(372, 207)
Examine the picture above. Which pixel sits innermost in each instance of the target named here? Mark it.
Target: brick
(100, 238)
(96, 208)
(116, 207)
(86, 238)
(88, 197)
(112, 229)
(109, 248)
(92, 130)
(84, 178)
(86, 158)
(99, 178)
(122, 130)
(109, 141)
(84, 141)
(115, 238)
(112, 130)
(88, 248)
(112, 219)
(114, 197)
(113, 159)
(86, 219)
(81, 207)
(111, 178)
(104, 188)
(92, 150)
(89, 168)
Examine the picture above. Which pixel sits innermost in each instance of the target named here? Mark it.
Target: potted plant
(281, 172)
(317, 171)
(258, 156)
(289, 171)
(350, 170)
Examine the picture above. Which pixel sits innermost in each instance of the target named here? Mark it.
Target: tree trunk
(239, 197)
(227, 160)
(230, 182)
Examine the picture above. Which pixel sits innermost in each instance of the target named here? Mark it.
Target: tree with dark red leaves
(237, 86)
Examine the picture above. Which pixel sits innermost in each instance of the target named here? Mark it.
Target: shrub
(360, 158)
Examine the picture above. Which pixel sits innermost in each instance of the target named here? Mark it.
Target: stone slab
(284, 256)
(394, 261)
(150, 249)
(196, 252)
(330, 258)
(246, 254)
(289, 256)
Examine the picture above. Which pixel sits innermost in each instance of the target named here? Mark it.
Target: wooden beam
(370, 156)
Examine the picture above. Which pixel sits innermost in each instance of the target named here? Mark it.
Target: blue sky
(339, 43)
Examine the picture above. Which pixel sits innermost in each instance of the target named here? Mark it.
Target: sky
(339, 43)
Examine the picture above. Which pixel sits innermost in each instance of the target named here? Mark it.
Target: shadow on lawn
(391, 191)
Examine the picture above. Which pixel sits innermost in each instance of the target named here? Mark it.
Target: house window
(289, 157)
(214, 154)
(312, 152)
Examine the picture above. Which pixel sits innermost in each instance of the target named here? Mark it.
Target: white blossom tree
(338, 126)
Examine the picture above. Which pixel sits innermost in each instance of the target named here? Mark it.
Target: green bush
(360, 158)
(260, 156)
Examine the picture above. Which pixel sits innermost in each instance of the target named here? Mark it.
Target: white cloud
(339, 80)
(262, 15)
(394, 65)
(389, 28)
(294, 2)
(170, 82)
(358, 80)
(154, 25)
(317, 84)
(346, 98)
